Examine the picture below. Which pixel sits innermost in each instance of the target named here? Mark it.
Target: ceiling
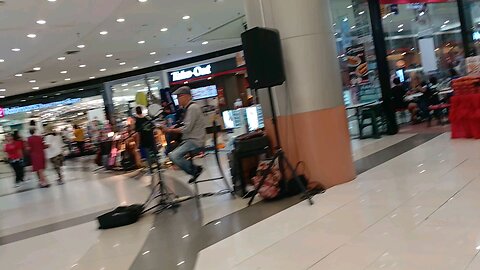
(72, 23)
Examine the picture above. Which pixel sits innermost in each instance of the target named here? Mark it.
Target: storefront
(416, 39)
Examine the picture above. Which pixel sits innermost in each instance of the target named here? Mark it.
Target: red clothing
(37, 152)
(14, 150)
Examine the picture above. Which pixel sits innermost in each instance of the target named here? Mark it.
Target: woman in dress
(36, 147)
(14, 150)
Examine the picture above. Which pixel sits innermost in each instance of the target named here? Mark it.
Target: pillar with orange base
(312, 120)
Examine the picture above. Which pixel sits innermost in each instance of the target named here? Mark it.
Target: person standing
(79, 139)
(193, 133)
(145, 137)
(54, 152)
(14, 150)
(36, 147)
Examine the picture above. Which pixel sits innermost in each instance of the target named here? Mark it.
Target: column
(312, 118)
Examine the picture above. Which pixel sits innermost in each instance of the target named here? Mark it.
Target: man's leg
(177, 156)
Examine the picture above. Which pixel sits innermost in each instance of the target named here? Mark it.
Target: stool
(227, 189)
(377, 120)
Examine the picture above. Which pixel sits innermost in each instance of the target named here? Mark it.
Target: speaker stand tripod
(282, 161)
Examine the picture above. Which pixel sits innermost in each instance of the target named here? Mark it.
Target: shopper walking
(14, 150)
(36, 147)
(54, 151)
(79, 139)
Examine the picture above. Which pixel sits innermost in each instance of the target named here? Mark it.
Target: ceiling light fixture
(82, 66)
(142, 1)
(164, 29)
(120, 20)
(3, 90)
(186, 17)
(63, 72)
(16, 49)
(157, 62)
(349, 6)
(31, 35)
(446, 22)
(361, 12)
(61, 58)
(189, 52)
(400, 30)
(103, 69)
(91, 77)
(81, 46)
(125, 84)
(19, 75)
(32, 81)
(109, 55)
(141, 42)
(2, 96)
(52, 0)
(153, 53)
(41, 22)
(2, 60)
(67, 79)
(35, 88)
(103, 33)
(205, 43)
(400, 25)
(37, 68)
(122, 63)
(135, 67)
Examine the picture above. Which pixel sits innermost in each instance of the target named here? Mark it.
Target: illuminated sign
(195, 72)
(40, 106)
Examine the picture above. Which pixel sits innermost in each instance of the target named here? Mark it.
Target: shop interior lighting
(31, 35)
(361, 12)
(122, 63)
(153, 53)
(400, 25)
(345, 19)
(189, 52)
(205, 43)
(108, 55)
(32, 81)
(349, 6)
(37, 68)
(164, 29)
(16, 49)
(82, 66)
(186, 17)
(103, 33)
(2, 60)
(103, 69)
(81, 46)
(61, 58)
(120, 20)
(141, 42)
(41, 22)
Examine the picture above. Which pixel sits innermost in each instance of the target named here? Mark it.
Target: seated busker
(193, 133)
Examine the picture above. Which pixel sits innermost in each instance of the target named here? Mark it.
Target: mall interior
(324, 134)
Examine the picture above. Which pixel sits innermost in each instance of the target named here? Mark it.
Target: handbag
(271, 186)
(120, 216)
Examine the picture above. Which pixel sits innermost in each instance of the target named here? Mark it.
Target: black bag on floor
(120, 216)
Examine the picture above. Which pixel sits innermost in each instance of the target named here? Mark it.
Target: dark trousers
(81, 147)
(17, 166)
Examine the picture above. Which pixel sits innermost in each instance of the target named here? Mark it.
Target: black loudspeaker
(263, 54)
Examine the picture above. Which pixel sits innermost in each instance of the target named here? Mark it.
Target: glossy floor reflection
(416, 211)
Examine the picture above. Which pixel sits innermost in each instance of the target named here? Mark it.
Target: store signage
(194, 72)
(2, 113)
(357, 64)
(40, 106)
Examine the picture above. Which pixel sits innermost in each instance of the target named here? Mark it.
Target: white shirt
(55, 144)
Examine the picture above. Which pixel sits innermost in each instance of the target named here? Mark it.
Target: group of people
(418, 107)
(35, 150)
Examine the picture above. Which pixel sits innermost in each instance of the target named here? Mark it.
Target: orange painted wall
(320, 139)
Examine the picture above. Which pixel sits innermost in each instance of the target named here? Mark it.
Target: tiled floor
(416, 211)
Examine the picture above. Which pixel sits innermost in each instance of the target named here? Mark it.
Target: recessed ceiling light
(153, 53)
(80, 89)
(91, 77)
(31, 35)
(3, 90)
(103, 69)
(109, 55)
(164, 29)
(349, 6)
(120, 20)
(205, 43)
(186, 17)
(63, 72)
(67, 79)
(32, 81)
(52, 0)
(35, 88)
(157, 62)
(135, 67)
(103, 33)
(19, 75)
(189, 52)
(2, 96)
(37, 68)
(61, 58)
(82, 66)
(81, 46)
(125, 84)
(142, 1)
(2, 60)
(16, 49)
(41, 22)
(122, 63)
(141, 42)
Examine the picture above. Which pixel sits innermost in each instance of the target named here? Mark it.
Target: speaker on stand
(264, 58)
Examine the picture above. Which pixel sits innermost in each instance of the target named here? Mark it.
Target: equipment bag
(120, 216)
(270, 188)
